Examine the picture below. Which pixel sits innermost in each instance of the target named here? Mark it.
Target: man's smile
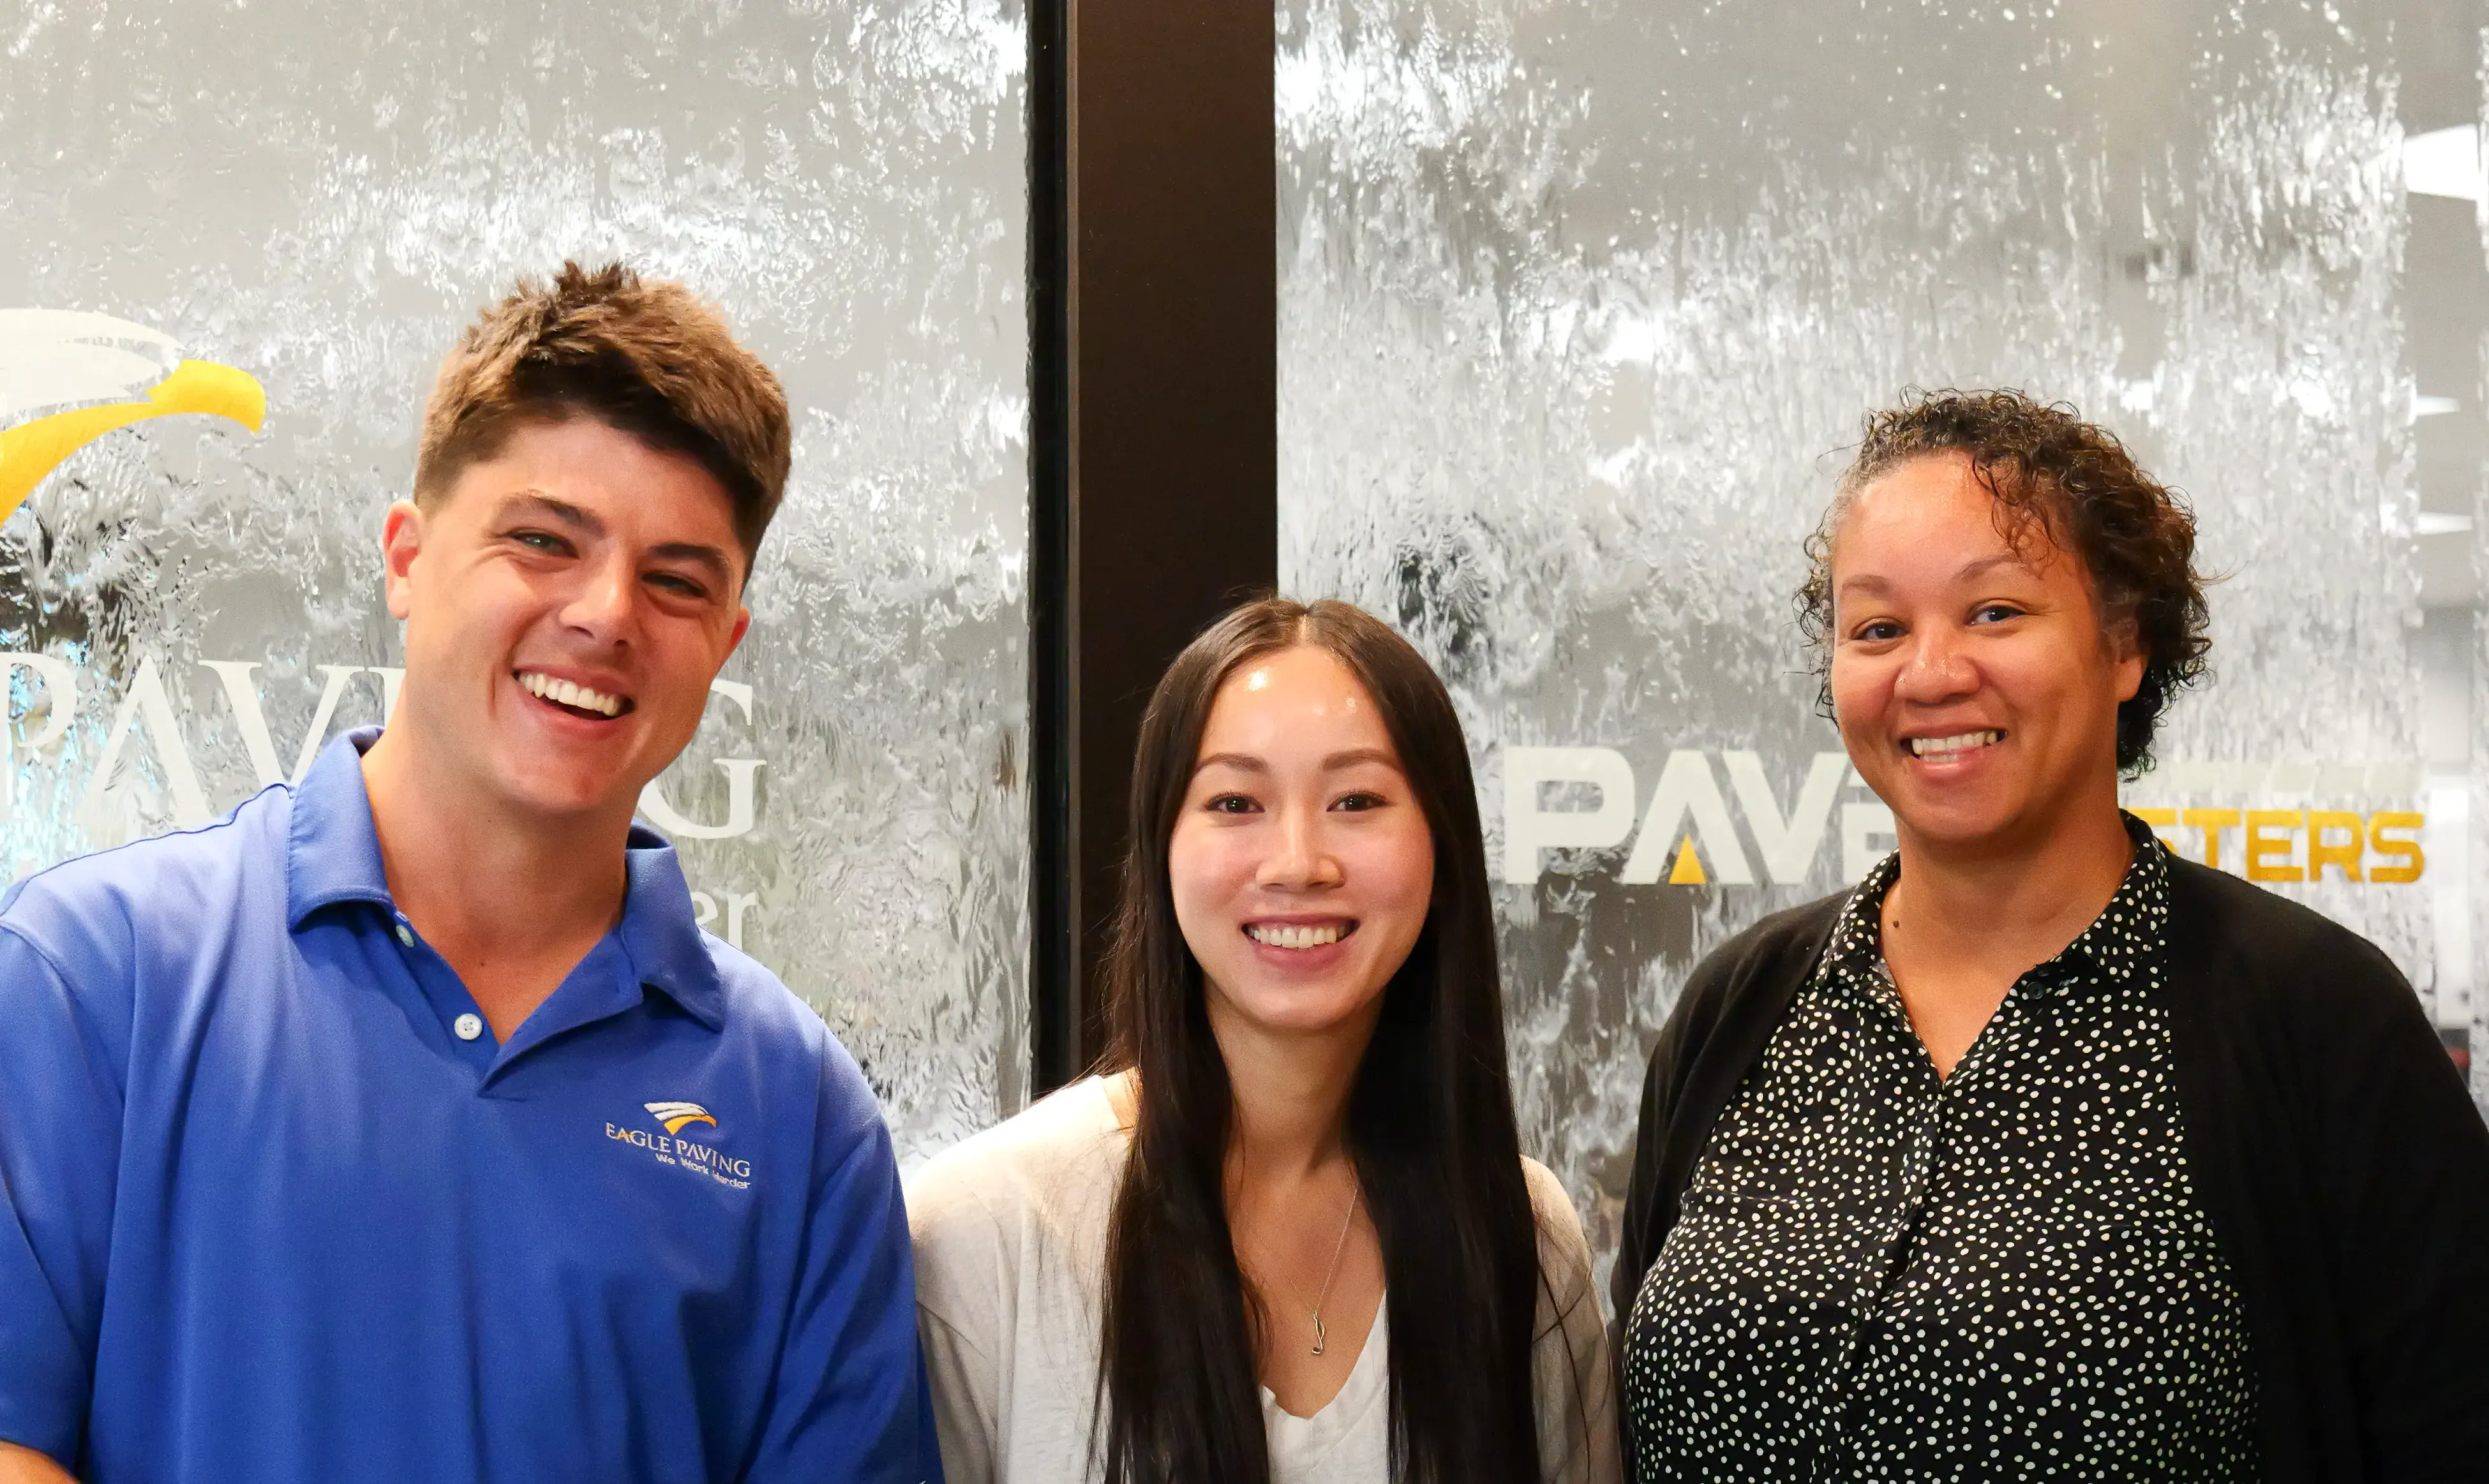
(570, 695)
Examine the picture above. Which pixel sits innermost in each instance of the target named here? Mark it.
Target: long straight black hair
(1430, 1125)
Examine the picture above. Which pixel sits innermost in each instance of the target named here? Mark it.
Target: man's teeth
(569, 693)
(1279, 936)
(1937, 747)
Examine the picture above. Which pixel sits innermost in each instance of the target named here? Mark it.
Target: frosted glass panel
(1581, 305)
(317, 196)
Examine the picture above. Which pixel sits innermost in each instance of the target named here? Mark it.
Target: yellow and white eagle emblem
(674, 1115)
(102, 373)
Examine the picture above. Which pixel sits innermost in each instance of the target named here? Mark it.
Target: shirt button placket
(468, 1025)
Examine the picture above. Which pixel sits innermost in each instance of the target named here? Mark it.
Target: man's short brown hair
(644, 357)
(2048, 471)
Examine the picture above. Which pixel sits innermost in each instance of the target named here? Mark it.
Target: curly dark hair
(2072, 480)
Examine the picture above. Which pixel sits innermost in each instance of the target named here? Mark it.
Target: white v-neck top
(1350, 1438)
(1010, 1231)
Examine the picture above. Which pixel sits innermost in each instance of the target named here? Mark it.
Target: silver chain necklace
(1337, 1248)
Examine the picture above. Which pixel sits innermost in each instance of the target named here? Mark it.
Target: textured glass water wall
(310, 199)
(1582, 301)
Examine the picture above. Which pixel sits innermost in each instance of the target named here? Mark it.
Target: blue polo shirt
(273, 1208)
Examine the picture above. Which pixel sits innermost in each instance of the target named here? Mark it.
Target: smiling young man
(404, 1127)
(2043, 1152)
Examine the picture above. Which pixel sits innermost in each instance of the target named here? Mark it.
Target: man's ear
(401, 543)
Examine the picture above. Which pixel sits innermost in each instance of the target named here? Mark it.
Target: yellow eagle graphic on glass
(104, 373)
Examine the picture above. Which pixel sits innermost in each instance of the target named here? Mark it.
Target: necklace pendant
(1318, 1334)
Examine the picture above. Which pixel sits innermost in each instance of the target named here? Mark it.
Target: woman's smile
(1296, 936)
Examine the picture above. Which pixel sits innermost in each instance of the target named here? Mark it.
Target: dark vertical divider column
(1154, 304)
(1055, 1012)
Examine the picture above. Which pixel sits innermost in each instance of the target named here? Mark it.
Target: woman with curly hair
(2042, 1152)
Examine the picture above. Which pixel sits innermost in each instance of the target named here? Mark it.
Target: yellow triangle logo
(1688, 871)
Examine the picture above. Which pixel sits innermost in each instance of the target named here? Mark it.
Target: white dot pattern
(2002, 1274)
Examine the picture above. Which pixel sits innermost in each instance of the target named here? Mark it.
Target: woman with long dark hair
(1287, 1234)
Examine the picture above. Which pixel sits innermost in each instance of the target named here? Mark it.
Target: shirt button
(468, 1026)
(406, 935)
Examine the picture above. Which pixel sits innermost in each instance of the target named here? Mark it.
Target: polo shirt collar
(333, 856)
(660, 933)
(332, 851)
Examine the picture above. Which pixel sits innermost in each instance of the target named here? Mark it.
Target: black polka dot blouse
(2002, 1274)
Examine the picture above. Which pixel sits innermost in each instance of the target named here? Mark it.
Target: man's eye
(683, 587)
(1231, 804)
(541, 540)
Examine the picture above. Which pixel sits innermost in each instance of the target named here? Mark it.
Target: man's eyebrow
(699, 554)
(560, 510)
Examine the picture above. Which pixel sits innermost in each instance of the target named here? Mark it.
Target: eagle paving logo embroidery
(671, 1148)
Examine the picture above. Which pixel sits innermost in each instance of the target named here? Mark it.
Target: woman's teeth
(1938, 747)
(565, 693)
(1279, 936)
